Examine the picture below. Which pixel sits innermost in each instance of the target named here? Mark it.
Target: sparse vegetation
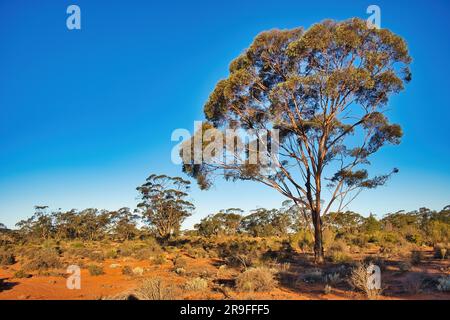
(7, 258)
(95, 270)
(359, 279)
(196, 284)
(20, 274)
(256, 280)
(43, 259)
(154, 289)
(444, 284)
(322, 92)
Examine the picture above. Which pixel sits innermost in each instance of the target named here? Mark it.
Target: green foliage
(222, 223)
(265, 223)
(95, 270)
(338, 252)
(124, 224)
(43, 259)
(344, 222)
(371, 224)
(160, 259)
(163, 203)
(308, 84)
(302, 239)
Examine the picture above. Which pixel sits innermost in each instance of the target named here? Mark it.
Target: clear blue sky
(86, 115)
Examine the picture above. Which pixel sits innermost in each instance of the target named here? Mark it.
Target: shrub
(444, 284)
(413, 286)
(154, 289)
(20, 274)
(416, 257)
(7, 258)
(124, 252)
(43, 259)
(313, 276)
(375, 260)
(333, 278)
(441, 251)
(328, 289)
(160, 259)
(338, 252)
(96, 255)
(111, 254)
(197, 253)
(180, 271)
(360, 278)
(303, 239)
(127, 271)
(179, 262)
(77, 245)
(153, 245)
(95, 270)
(196, 284)
(256, 279)
(328, 238)
(138, 271)
(144, 254)
(404, 266)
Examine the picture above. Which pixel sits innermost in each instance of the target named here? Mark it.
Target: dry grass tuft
(256, 280)
(360, 280)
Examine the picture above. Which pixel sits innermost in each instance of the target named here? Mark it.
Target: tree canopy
(326, 90)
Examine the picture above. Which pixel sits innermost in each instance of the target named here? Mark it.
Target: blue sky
(86, 115)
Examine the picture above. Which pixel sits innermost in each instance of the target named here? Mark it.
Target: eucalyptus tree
(225, 222)
(124, 224)
(39, 226)
(326, 90)
(163, 203)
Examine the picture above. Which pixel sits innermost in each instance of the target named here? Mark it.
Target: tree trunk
(318, 242)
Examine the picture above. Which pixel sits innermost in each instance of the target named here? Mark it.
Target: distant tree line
(164, 205)
(423, 226)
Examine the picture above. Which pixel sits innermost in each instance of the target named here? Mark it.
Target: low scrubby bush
(359, 279)
(20, 274)
(160, 259)
(196, 284)
(95, 270)
(416, 257)
(179, 262)
(127, 271)
(441, 251)
(7, 258)
(338, 252)
(154, 289)
(444, 284)
(43, 259)
(256, 280)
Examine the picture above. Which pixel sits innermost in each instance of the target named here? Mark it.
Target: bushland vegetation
(249, 252)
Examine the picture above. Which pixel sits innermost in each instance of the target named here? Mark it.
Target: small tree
(225, 222)
(326, 89)
(39, 226)
(124, 224)
(163, 203)
(265, 223)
